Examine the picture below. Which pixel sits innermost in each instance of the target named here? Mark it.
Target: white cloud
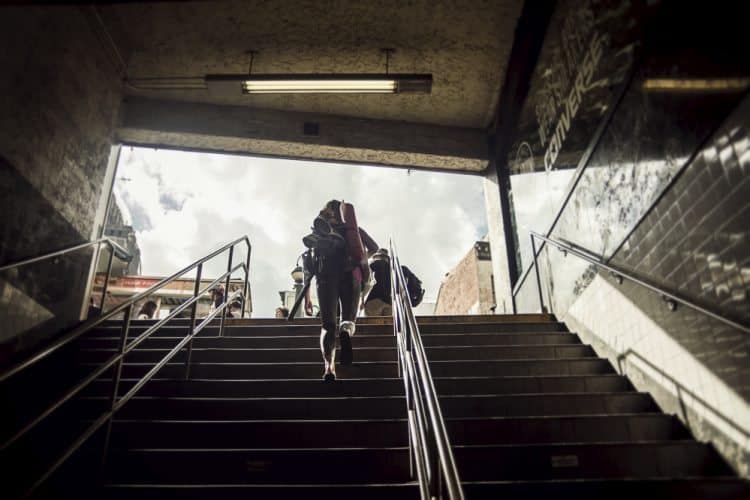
(434, 218)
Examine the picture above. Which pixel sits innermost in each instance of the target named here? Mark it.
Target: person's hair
(149, 308)
(235, 305)
(283, 310)
(333, 206)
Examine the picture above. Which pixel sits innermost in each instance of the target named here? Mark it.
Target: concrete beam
(245, 130)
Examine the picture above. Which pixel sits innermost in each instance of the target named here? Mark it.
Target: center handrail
(429, 445)
(126, 347)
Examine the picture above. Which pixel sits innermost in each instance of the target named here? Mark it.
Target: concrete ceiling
(464, 44)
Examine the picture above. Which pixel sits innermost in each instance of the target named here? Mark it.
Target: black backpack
(413, 286)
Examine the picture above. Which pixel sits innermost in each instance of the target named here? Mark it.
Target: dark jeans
(335, 285)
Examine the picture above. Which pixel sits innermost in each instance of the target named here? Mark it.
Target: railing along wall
(430, 450)
(124, 347)
(670, 299)
(113, 249)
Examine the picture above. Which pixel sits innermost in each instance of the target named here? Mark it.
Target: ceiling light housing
(696, 84)
(233, 85)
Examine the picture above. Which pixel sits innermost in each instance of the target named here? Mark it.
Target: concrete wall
(245, 130)
(59, 96)
(663, 193)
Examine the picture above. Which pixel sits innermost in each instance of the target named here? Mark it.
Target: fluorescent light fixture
(318, 84)
(696, 84)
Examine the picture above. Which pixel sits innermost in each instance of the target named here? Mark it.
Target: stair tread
(453, 361)
(581, 444)
(356, 348)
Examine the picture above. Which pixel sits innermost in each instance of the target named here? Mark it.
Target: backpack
(413, 286)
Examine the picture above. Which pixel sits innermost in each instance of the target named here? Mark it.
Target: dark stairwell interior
(645, 103)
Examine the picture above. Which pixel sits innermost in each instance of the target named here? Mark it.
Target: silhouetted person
(94, 309)
(217, 296)
(379, 300)
(282, 312)
(235, 310)
(340, 261)
(147, 310)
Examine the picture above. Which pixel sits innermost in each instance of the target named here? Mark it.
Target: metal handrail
(113, 245)
(92, 323)
(429, 446)
(124, 348)
(620, 275)
(113, 248)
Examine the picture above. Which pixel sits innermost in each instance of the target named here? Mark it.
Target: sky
(183, 205)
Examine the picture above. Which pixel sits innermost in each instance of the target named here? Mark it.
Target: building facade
(468, 287)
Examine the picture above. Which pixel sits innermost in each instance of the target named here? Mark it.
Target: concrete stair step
(259, 388)
(232, 355)
(363, 340)
(565, 429)
(230, 408)
(587, 461)
(405, 491)
(546, 404)
(242, 466)
(236, 329)
(265, 371)
(370, 387)
(334, 433)
(157, 408)
(531, 384)
(312, 354)
(363, 321)
(381, 369)
(339, 433)
(531, 367)
(725, 488)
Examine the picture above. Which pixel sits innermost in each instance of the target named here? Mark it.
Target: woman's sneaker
(346, 331)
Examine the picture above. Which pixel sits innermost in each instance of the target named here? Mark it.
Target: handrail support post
(245, 290)
(226, 291)
(536, 271)
(117, 373)
(193, 312)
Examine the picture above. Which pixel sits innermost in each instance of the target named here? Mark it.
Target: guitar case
(354, 242)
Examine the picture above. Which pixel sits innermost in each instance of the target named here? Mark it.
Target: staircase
(531, 412)
(256, 420)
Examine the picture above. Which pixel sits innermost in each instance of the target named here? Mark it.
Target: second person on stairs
(340, 253)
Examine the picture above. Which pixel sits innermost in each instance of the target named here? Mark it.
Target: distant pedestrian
(378, 301)
(94, 309)
(217, 296)
(282, 313)
(234, 310)
(147, 310)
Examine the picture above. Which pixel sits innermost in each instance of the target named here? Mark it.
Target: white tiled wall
(607, 319)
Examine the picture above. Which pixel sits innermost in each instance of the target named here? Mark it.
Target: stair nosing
(545, 394)
(720, 478)
(245, 450)
(265, 420)
(317, 381)
(257, 485)
(652, 442)
(244, 398)
(647, 414)
(356, 348)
